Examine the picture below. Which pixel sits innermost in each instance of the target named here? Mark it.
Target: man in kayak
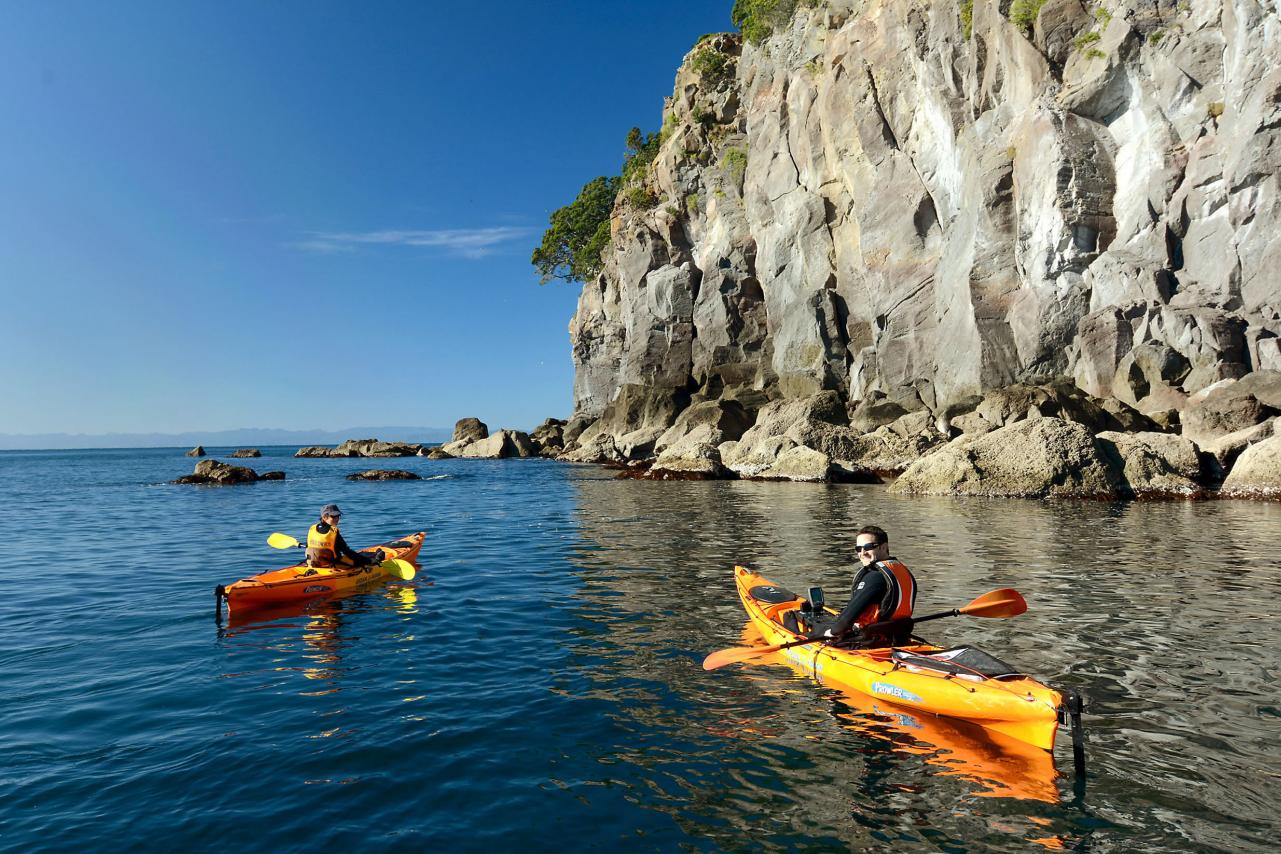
(326, 547)
(884, 589)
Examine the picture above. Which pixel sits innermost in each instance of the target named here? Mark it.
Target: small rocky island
(215, 473)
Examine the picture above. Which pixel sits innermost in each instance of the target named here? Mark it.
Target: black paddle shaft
(955, 612)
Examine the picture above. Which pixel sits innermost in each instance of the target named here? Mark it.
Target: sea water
(538, 684)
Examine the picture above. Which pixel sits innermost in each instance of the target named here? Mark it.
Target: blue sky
(304, 214)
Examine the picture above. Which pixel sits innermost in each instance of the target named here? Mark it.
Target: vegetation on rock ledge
(580, 231)
(758, 18)
(572, 245)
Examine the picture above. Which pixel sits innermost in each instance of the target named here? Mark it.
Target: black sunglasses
(865, 547)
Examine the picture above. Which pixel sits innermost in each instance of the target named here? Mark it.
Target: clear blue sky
(300, 214)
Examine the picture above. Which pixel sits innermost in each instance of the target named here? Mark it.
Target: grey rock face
(873, 205)
(197, 451)
(363, 448)
(1040, 458)
(1257, 472)
(695, 453)
(548, 438)
(1154, 464)
(322, 451)
(500, 445)
(469, 430)
(1221, 410)
(247, 452)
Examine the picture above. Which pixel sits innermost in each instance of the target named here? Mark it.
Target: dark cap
(330, 510)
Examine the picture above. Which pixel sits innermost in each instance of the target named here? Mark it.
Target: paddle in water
(1006, 602)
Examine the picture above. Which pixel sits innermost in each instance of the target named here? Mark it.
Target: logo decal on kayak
(894, 691)
(317, 588)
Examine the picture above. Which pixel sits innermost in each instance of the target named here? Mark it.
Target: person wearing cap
(884, 589)
(326, 547)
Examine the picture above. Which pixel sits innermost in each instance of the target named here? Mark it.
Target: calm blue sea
(538, 683)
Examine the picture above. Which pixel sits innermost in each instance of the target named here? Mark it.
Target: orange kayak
(300, 582)
(962, 683)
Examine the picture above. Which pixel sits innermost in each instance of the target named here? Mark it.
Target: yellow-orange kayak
(959, 683)
(300, 582)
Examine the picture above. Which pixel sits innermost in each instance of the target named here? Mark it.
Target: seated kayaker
(884, 589)
(326, 547)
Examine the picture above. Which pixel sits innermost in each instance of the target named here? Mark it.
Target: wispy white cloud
(467, 242)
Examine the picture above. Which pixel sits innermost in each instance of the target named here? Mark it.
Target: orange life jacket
(900, 599)
(322, 549)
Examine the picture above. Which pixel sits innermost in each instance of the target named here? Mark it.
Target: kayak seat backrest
(768, 594)
(399, 544)
(961, 661)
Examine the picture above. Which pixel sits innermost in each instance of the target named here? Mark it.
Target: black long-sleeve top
(870, 588)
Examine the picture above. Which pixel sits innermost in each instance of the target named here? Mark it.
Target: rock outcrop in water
(472, 440)
(364, 448)
(215, 473)
(384, 474)
(885, 211)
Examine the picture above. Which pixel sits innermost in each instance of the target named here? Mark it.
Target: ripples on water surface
(538, 683)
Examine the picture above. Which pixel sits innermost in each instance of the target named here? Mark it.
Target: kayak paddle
(1006, 602)
(283, 541)
(402, 569)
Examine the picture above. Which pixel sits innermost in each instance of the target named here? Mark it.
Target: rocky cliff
(906, 205)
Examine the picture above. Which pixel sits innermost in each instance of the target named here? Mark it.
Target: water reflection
(321, 627)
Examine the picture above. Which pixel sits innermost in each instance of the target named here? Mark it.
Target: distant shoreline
(248, 437)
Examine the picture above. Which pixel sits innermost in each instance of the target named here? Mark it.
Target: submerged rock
(384, 474)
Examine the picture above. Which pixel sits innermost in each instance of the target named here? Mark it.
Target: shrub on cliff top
(1023, 13)
(758, 18)
(711, 64)
(578, 233)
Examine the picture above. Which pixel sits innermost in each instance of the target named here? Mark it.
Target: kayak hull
(1018, 707)
(300, 583)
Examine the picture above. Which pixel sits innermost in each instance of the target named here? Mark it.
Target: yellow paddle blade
(282, 541)
(402, 569)
(1006, 602)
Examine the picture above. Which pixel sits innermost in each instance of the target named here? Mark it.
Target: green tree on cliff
(580, 231)
(577, 234)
